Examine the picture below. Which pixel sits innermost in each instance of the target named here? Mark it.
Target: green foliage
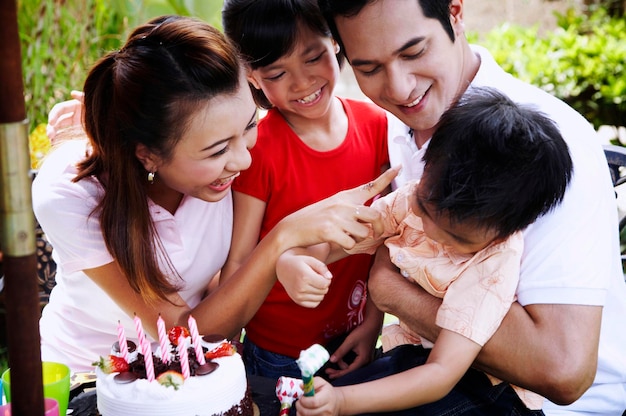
(62, 39)
(59, 43)
(582, 61)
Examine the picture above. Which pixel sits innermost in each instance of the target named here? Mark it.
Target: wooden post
(17, 226)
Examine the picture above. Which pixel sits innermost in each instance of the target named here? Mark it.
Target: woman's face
(213, 150)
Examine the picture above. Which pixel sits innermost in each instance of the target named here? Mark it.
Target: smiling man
(564, 337)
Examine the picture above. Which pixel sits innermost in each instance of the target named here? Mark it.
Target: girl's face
(211, 153)
(463, 237)
(302, 82)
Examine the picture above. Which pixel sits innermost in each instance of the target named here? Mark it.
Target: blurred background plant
(62, 39)
(582, 61)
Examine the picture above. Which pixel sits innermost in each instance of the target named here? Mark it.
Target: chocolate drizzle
(207, 368)
(125, 378)
(132, 347)
(137, 368)
(213, 338)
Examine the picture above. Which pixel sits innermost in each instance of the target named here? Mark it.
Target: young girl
(491, 169)
(311, 144)
(140, 214)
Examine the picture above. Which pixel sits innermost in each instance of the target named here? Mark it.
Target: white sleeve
(572, 252)
(64, 210)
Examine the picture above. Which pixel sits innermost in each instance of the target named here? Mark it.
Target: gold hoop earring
(151, 177)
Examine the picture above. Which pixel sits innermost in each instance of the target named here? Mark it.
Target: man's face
(404, 62)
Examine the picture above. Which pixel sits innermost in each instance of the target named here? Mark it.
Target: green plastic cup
(56, 383)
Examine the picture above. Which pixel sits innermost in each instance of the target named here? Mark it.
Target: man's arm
(395, 295)
(549, 349)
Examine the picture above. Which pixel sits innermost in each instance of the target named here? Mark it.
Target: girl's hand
(361, 341)
(305, 278)
(65, 114)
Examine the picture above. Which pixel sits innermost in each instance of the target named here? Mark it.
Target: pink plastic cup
(51, 407)
(56, 384)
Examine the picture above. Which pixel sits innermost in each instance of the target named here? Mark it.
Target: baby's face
(462, 237)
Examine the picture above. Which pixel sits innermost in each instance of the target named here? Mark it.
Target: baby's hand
(324, 402)
(305, 278)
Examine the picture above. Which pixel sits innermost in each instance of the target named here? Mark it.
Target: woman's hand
(341, 219)
(65, 114)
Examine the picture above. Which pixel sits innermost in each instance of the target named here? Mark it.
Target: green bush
(62, 39)
(582, 61)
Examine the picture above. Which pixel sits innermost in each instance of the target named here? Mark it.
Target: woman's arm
(112, 281)
(236, 300)
(64, 115)
(248, 217)
(334, 220)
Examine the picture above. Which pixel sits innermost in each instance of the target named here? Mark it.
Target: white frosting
(208, 395)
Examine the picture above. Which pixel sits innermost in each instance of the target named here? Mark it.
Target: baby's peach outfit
(477, 290)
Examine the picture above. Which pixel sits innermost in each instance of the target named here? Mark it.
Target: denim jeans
(264, 363)
(472, 396)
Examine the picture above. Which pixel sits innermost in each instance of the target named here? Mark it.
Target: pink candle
(147, 357)
(184, 358)
(141, 335)
(121, 340)
(145, 348)
(163, 340)
(195, 340)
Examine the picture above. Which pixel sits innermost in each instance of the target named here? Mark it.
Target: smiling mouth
(415, 102)
(224, 181)
(310, 98)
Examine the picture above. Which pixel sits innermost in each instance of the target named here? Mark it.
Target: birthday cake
(215, 384)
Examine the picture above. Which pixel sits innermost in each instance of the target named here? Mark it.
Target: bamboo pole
(17, 227)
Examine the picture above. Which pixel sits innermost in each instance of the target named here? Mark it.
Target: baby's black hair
(495, 163)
